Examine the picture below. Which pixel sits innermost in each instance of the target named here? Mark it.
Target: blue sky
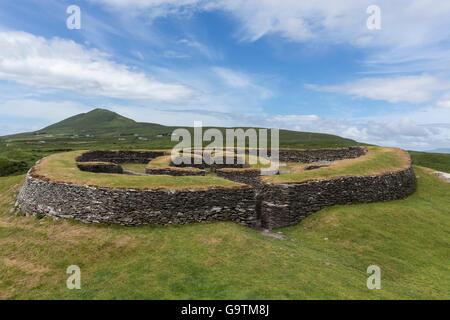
(301, 65)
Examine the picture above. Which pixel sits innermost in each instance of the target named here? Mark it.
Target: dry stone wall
(313, 155)
(255, 205)
(97, 167)
(175, 171)
(284, 205)
(119, 156)
(136, 207)
(190, 163)
(247, 176)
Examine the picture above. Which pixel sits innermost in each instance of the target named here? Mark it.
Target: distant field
(436, 161)
(324, 257)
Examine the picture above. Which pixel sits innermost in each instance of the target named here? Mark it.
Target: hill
(97, 120)
(103, 123)
(104, 129)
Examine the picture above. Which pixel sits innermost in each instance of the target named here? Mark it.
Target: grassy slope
(408, 239)
(436, 161)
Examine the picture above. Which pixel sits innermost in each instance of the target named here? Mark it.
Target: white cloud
(64, 64)
(201, 48)
(443, 103)
(416, 131)
(402, 131)
(295, 118)
(404, 22)
(233, 78)
(407, 26)
(170, 54)
(241, 80)
(146, 4)
(51, 111)
(413, 89)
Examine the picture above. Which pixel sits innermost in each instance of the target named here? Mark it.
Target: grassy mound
(324, 257)
(62, 167)
(160, 162)
(376, 161)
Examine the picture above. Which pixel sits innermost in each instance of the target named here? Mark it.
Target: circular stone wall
(256, 204)
(135, 207)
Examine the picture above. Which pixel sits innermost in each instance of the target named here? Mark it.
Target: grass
(62, 167)
(135, 167)
(376, 161)
(160, 162)
(408, 239)
(436, 161)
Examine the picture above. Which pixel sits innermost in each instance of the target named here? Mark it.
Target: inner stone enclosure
(253, 202)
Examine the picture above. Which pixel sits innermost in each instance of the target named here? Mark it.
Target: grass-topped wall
(56, 186)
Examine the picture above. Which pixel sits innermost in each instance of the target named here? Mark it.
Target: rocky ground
(443, 175)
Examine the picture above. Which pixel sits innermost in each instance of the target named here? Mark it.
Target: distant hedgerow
(8, 167)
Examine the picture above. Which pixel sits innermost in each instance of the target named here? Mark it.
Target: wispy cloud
(241, 80)
(201, 48)
(64, 64)
(407, 26)
(413, 89)
(41, 110)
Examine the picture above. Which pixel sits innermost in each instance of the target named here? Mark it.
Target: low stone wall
(257, 205)
(98, 167)
(313, 155)
(137, 207)
(119, 156)
(175, 171)
(247, 176)
(284, 205)
(189, 162)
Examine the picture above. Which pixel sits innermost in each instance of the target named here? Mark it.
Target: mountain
(97, 120)
(104, 124)
(104, 129)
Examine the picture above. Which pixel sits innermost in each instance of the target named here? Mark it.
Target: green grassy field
(436, 161)
(323, 257)
(408, 239)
